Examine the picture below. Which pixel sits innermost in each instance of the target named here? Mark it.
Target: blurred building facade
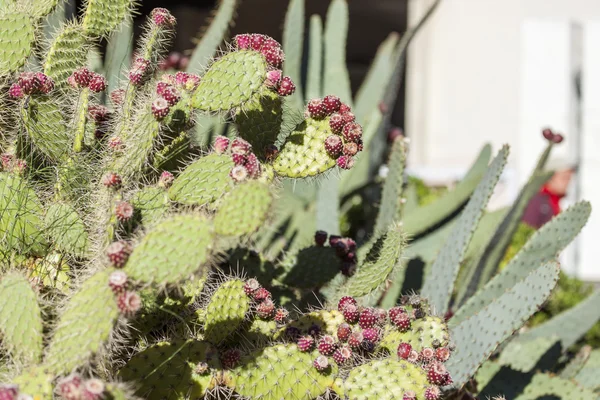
(499, 71)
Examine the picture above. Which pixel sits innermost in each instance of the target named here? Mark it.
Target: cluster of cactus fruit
(144, 254)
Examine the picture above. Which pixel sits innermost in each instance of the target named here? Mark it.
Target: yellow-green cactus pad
(386, 380)
(303, 154)
(280, 372)
(35, 382)
(226, 311)
(421, 335)
(21, 210)
(152, 203)
(231, 81)
(328, 322)
(46, 128)
(172, 371)
(16, 40)
(244, 209)
(204, 181)
(102, 16)
(66, 229)
(172, 251)
(85, 325)
(67, 53)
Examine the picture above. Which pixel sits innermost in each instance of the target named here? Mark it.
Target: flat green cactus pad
(20, 319)
(46, 127)
(327, 321)
(102, 16)
(589, 374)
(226, 311)
(259, 332)
(311, 267)
(204, 181)
(85, 325)
(244, 209)
(386, 380)
(171, 370)
(421, 335)
(21, 222)
(303, 154)
(152, 203)
(231, 81)
(67, 53)
(18, 35)
(280, 372)
(40, 8)
(66, 229)
(36, 383)
(259, 122)
(552, 387)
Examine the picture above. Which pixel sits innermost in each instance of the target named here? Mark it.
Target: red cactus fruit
(29, 82)
(316, 109)
(7, 160)
(336, 123)
(93, 389)
(221, 144)
(344, 108)
(138, 70)
(333, 239)
(402, 322)
(271, 152)
(327, 345)
(351, 313)
(161, 87)
(70, 388)
(171, 95)
(251, 286)
(230, 358)
(238, 173)
(46, 84)
(111, 180)
(352, 132)
(432, 393)
(345, 162)
(348, 117)
(274, 78)
(348, 268)
(371, 335)
(261, 294)
(350, 149)
(332, 104)
(124, 211)
(321, 363)
(166, 179)
(98, 113)
(413, 357)
(15, 91)
(427, 354)
(118, 253)
(395, 311)
(394, 134)
(273, 55)
(82, 77)
(160, 108)
(356, 339)
(437, 374)
(265, 309)
(162, 17)
(117, 96)
(252, 165)
(239, 159)
(281, 315)
(314, 330)
(558, 138)
(404, 350)
(345, 301)
(343, 332)
(242, 41)
(409, 395)
(129, 303)
(240, 146)
(342, 355)
(182, 78)
(256, 41)
(548, 134)
(359, 143)
(306, 343)
(97, 83)
(320, 238)
(334, 145)
(192, 82)
(442, 354)
(9, 392)
(118, 281)
(287, 87)
(115, 143)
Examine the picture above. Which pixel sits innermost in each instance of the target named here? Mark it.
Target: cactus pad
(21, 222)
(36, 383)
(67, 53)
(422, 334)
(311, 267)
(303, 154)
(173, 250)
(589, 374)
(385, 380)
(139, 144)
(327, 321)
(259, 332)
(244, 209)
(152, 203)
(204, 181)
(102, 16)
(18, 35)
(231, 81)
(280, 372)
(85, 325)
(169, 370)
(66, 229)
(46, 128)
(553, 387)
(20, 319)
(226, 311)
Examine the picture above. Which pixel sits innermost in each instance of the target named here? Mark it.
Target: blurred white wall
(499, 71)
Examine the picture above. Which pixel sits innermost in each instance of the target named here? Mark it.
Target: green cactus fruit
(66, 229)
(20, 319)
(386, 380)
(226, 311)
(46, 128)
(85, 325)
(204, 181)
(231, 81)
(173, 371)
(103, 16)
(259, 122)
(422, 333)
(280, 372)
(303, 154)
(244, 209)
(152, 203)
(172, 251)
(311, 267)
(67, 53)
(21, 223)
(327, 321)
(16, 41)
(35, 382)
